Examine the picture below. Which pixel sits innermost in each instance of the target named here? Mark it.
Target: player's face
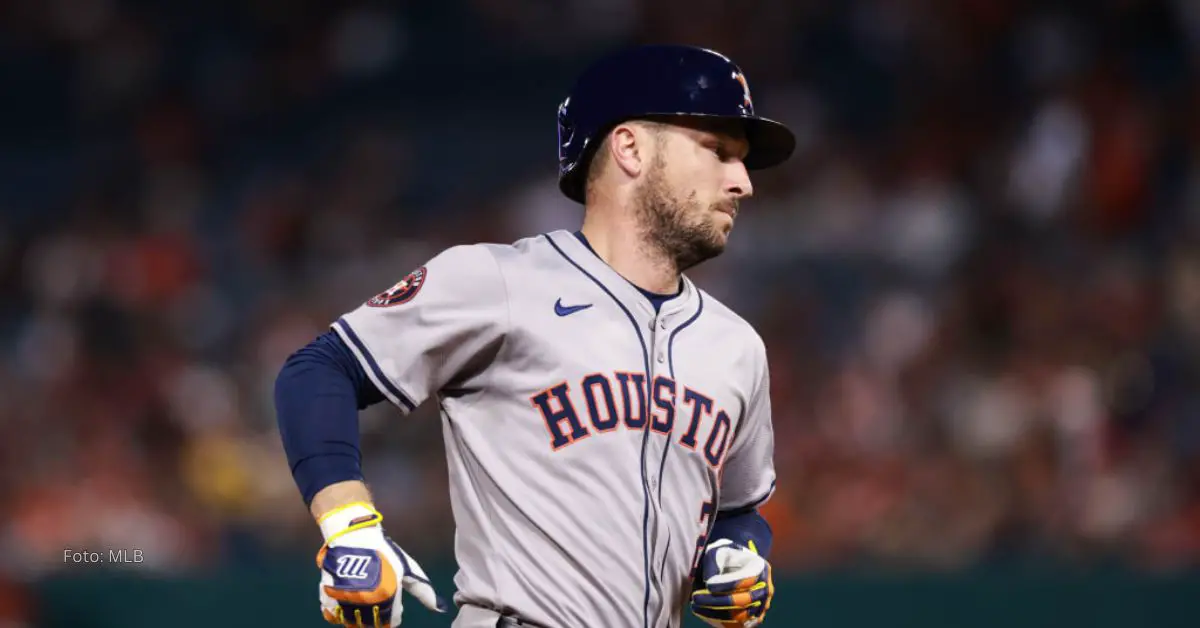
(688, 198)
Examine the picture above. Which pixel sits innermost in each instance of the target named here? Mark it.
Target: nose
(738, 181)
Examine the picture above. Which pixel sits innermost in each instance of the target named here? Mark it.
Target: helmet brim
(771, 143)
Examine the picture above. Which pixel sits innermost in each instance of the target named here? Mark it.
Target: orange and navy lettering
(701, 407)
(718, 439)
(638, 380)
(566, 425)
(559, 412)
(664, 399)
(604, 417)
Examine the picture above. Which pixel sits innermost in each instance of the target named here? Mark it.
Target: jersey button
(661, 358)
(662, 324)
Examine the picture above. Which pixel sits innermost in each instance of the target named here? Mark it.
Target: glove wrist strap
(346, 519)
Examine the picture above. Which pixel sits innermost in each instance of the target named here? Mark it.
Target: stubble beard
(675, 230)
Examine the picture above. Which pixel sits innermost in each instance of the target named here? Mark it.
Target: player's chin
(716, 241)
(722, 226)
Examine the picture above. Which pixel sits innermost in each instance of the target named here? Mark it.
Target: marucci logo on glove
(363, 571)
(353, 567)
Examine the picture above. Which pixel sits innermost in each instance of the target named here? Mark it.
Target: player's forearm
(337, 495)
(317, 398)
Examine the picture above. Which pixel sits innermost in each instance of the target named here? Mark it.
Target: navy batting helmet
(651, 82)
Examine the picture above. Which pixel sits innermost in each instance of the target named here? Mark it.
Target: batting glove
(737, 586)
(363, 571)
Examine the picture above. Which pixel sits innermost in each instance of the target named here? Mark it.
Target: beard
(677, 229)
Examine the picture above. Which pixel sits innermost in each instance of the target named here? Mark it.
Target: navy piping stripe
(687, 323)
(712, 519)
(666, 552)
(754, 504)
(667, 448)
(671, 365)
(662, 464)
(379, 376)
(645, 432)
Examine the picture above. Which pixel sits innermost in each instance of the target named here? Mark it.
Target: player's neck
(622, 248)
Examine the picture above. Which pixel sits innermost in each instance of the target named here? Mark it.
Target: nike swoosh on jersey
(567, 310)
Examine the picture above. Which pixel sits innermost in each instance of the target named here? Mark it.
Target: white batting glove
(737, 586)
(363, 571)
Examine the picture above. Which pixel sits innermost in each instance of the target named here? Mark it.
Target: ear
(631, 147)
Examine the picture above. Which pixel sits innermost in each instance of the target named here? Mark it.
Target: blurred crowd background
(978, 279)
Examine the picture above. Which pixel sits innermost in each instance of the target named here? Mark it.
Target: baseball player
(607, 423)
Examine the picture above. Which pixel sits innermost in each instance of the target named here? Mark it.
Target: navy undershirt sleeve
(744, 526)
(318, 394)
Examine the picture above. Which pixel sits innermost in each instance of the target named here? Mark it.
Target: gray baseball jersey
(590, 439)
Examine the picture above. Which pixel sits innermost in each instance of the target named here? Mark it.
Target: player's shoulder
(466, 262)
(732, 324)
(526, 252)
(495, 252)
(482, 258)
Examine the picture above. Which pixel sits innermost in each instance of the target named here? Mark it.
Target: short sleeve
(748, 477)
(439, 326)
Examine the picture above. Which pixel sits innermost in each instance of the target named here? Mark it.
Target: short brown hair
(597, 162)
(596, 165)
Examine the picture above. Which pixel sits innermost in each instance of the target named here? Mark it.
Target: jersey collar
(685, 302)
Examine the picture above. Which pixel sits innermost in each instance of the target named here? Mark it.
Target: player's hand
(363, 571)
(737, 586)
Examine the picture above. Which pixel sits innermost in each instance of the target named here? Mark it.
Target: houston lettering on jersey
(573, 414)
